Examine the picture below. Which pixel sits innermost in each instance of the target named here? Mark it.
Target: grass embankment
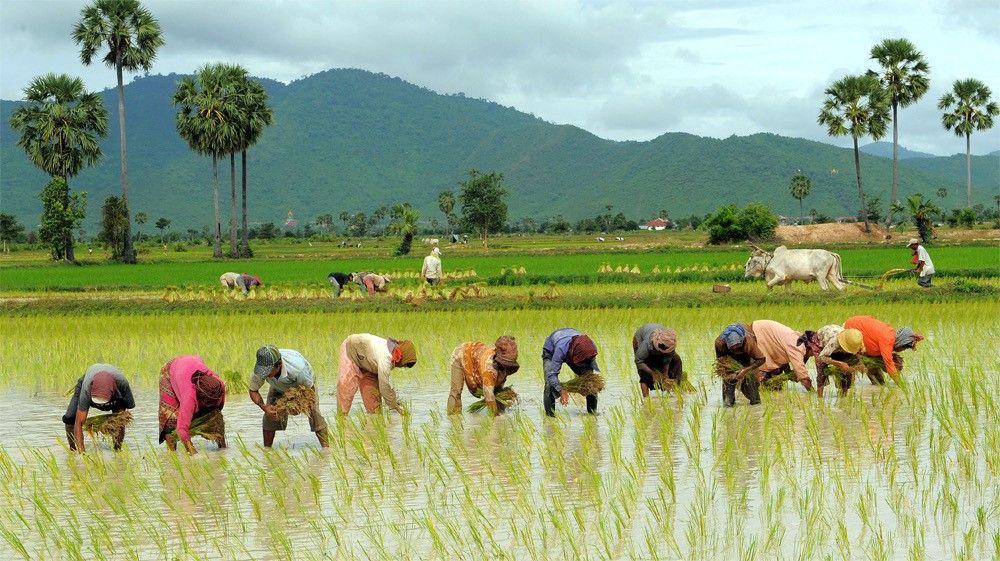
(675, 265)
(579, 297)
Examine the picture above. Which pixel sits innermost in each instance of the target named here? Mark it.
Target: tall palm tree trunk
(895, 164)
(802, 214)
(861, 190)
(217, 249)
(68, 253)
(233, 250)
(245, 245)
(968, 171)
(128, 252)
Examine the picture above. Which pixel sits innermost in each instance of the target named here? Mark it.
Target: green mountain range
(350, 140)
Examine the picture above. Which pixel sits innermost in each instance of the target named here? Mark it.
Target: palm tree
(904, 77)
(446, 204)
(856, 106)
(206, 121)
(800, 187)
(140, 219)
(131, 35)
(968, 107)
(404, 221)
(61, 127)
(921, 211)
(255, 115)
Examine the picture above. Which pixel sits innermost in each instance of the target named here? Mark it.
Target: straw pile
(505, 397)
(298, 400)
(112, 424)
(585, 384)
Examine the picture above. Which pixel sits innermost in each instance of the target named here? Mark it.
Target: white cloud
(623, 70)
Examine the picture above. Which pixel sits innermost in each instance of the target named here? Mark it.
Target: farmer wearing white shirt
(924, 267)
(431, 270)
(283, 369)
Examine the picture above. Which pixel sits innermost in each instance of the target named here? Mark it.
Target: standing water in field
(880, 472)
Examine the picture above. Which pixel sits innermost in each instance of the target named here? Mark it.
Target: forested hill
(352, 140)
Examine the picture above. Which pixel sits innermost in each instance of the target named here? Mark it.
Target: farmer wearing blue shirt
(284, 369)
(574, 349)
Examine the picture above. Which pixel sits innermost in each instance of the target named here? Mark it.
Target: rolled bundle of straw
(585, 384)
(111, 424)
(505, 397)
(298, 400)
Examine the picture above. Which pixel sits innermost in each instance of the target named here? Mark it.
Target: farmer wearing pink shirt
(784, 349)
(190, 391)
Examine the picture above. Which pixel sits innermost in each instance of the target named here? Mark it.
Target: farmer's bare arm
(259, 402)
(81, 417)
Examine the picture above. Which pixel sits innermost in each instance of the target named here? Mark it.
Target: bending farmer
(102, 387)
(923, 267)
(737, 362)
(659, 367)
(191, 394)
(483, 370)
(283, 370)
(882, 346)
(838, 356)
(366, 363)
(574, 349)
(784, 349)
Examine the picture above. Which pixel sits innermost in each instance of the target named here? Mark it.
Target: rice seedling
(111, 424)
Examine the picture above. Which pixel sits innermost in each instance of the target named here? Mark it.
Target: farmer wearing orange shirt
(883, 345)
(483, 370)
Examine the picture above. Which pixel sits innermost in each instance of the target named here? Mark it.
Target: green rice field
(910, 472)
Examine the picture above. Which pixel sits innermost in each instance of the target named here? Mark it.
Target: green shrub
(730, 224)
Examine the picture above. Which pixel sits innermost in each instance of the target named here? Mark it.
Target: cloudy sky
(622, 70)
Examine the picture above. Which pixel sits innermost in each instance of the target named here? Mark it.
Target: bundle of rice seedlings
(296, 401)
(874, 367)
(235, 382)
(210, 427)
(586, 384)
(505, 397)
(111, 424)
(727, 367)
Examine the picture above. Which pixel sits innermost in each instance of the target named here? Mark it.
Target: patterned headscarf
(582, 349)
(208, 389)
(734, 334)
(905, 337)
(665, 341)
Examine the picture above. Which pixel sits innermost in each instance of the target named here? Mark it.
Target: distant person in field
(882, 346)
(228, 280)
(838, 356)
(482, 369)
(338, 281)
(104, 388)
(577, 351)
(191, 394)
(431, 271)
(244, 281)
(923, 267)
(366, 364)
(371, 283)
(283, 370)
(654, 348)
(738, 342)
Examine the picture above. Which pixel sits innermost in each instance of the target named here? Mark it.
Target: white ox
(787, 265)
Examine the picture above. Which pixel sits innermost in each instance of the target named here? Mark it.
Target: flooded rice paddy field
(877, 473)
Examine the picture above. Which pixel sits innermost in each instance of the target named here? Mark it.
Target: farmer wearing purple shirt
(574, 349)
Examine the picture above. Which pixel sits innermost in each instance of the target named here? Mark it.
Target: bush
(730, 224)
